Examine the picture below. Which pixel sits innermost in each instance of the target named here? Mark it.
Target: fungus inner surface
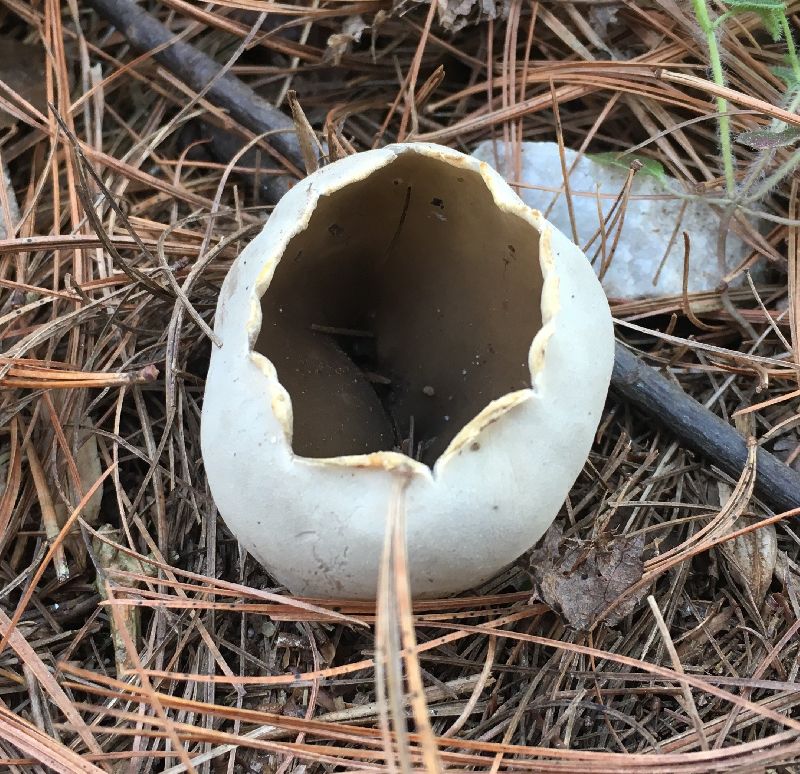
(408, 303)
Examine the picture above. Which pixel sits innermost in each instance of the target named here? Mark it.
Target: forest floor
(136, 636)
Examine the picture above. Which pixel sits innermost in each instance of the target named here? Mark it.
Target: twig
(777, 485)
(197, 69)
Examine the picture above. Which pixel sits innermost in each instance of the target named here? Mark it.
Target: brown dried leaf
(22, 69)
(786, 569)
(454, 15)
(309, 144)
(87, 461)
(90, 469)
(340, 43)
(582, 578)
(751, 558)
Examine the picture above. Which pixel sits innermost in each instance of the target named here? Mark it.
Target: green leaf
(757, 5)
(650, 167)
(771, 13)
(786, 74)
(760, 139)
(772, 23)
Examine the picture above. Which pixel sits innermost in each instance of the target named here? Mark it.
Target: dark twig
(777, 485)
(145, 33)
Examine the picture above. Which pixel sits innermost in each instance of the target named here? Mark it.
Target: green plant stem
(707, 26)
(721, 19)
(791, 51)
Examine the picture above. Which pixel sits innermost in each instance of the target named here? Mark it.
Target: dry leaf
(340, 43)
(582, 578)
(22, 69)
(602, 17)
(751, 558)
(455, 14)
(310, 148)
(87, 461)
(785, 569)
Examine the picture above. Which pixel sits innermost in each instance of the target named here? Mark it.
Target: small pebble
(428, 390)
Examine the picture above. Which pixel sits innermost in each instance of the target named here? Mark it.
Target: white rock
(648, 226)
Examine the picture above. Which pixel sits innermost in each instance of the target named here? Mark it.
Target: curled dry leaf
(340, 43)
(310, 147)
(453, 15)
(581, 579)
(750, 558)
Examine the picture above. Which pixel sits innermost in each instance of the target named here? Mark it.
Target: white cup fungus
(402, 313)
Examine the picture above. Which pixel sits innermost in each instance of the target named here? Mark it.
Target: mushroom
(402, 313)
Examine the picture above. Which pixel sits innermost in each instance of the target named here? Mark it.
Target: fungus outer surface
(528, 414)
